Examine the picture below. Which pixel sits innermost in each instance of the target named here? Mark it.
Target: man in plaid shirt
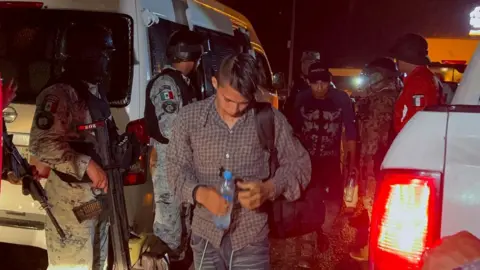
(220, 132)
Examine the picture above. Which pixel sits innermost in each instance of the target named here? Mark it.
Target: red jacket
(421, 89)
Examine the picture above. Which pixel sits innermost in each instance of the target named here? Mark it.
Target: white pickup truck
(430, 184)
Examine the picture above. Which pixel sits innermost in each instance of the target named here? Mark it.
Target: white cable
(203, 256)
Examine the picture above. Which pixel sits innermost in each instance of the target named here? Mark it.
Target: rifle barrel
(59, 229)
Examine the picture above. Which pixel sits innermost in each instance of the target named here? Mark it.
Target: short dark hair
(241, 72)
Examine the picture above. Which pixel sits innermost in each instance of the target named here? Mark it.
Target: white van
(30, 45)
(430, 185)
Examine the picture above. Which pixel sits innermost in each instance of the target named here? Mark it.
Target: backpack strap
(265, 125)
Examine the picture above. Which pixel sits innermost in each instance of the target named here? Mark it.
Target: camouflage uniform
(375, 115)
(172, 221)
(58, 111)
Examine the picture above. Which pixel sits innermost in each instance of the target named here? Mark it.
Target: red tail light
(405, 219)
(139, 128)
(138, 171)
(21, 4)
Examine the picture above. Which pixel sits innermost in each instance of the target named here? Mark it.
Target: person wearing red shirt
(421, 88)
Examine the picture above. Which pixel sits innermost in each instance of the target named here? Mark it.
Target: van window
(265, 71)
(158, 36)
(221, 45)
(31, 44)
(448, 73)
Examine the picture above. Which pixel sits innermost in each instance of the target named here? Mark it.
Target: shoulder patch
(44, 120)
(166, 94)
(418, 100)
(50, 104)
(170, 106)
(165, 86)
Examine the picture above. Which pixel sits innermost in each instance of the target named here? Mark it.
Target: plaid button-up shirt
(201, 144)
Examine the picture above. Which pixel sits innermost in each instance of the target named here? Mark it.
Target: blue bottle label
(228, 198)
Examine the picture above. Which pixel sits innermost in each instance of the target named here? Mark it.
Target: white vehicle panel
(199, 15)
(90, 5)
(205, 13)
(468, 92)
(461, 200)
(22, 123)
(20, 236)
(420, 145)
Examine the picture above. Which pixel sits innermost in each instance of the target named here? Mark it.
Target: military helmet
(184, 46)
(379, 69)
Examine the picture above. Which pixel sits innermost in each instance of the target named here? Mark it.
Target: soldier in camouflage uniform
(375, 106)
(59, 110)
(166, 94)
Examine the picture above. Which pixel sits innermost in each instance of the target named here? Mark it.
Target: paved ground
(284, 253)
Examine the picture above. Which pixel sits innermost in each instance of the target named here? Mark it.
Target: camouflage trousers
(86, 244)
(172, 220)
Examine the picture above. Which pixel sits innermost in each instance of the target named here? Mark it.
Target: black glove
(129, 150)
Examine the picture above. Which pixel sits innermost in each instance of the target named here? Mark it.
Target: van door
(31, 54)
(461, 185)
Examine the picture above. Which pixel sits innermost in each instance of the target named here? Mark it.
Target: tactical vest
(187, 93)
(99, 109)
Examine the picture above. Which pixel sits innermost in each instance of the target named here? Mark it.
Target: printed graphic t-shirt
(319, 124)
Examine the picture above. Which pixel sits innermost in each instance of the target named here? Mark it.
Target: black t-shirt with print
(319, 124)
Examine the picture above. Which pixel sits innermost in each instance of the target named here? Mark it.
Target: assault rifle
(117, 153)
(22, 170)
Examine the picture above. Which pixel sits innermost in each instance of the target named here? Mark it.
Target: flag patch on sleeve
(419, 100)
(166, 95)
(50, 104)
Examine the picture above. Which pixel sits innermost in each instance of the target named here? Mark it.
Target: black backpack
(287, 219)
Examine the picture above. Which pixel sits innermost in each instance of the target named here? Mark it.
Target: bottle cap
(227, 175)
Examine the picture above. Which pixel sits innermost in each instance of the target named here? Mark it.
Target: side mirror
(278, 81)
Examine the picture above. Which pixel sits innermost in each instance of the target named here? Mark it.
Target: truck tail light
(405, 219)
(137, 174)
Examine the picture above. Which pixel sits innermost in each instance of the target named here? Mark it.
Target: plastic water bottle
(227, 190)
(351, 187)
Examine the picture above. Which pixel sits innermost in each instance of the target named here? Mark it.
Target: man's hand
(253, 194)
(98, 176)
(13, 179)
(35, 173)
(40, 169)
(453, 251)
(212, 200)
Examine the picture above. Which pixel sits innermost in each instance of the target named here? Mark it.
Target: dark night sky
(350, 32)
